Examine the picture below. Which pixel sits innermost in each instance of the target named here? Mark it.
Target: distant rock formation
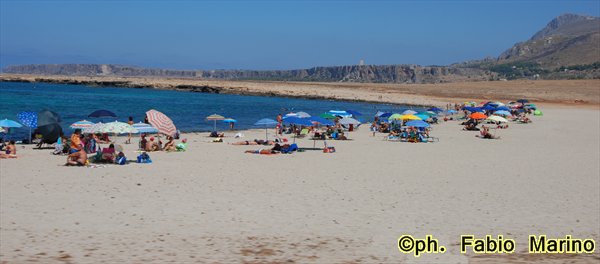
(352, 73)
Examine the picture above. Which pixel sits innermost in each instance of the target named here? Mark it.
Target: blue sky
(269, 34)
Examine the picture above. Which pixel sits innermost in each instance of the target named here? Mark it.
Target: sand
(214, 203)
(580, 92)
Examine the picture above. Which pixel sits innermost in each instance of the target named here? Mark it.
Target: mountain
(350, 73)
(567, 40)
(567, 48)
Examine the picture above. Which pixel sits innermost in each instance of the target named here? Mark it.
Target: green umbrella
(395, 117)
(327, 116)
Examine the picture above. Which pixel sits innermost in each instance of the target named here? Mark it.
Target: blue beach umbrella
(102, 113)
(145, 128)
(298, 121)
(417, 123)
(435, 109)
(488, 108)
(472, 109)
(502, 113)
(385, 115)
(321, 121)
(502, 107)
(266, 122)
(422, 116)
(229, 120)
(354, 113)
(9, 123)
(29, 119)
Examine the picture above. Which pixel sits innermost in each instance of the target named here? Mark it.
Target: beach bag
(121, 160)
(329, 150)
(144, 158)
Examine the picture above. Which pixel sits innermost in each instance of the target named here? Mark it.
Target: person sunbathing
(152, 145)
(274, 150)
(485, 133)
(77, 159)
(255, 142)
(216, 134)
(11, 151)
(170, 145)
(471, 127)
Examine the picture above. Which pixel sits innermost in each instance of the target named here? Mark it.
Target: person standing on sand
(278, 129)
(130, 122)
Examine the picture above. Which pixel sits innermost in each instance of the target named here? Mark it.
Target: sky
(269, 35)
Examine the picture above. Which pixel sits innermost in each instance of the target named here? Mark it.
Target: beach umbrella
(488, 108)
(339, 113)
(215, 117)
(145, 128)
(431, 113)
(102, 113)
(409, 112)
(95, 128)
(410, 117)
(472, 109)
(81, 124)
(266, 122)
(160, 121)
(302, 114)
(298, 121)
(422, 116)
(417, 123)
(229, 120)
(320, 120)
(451, 111)
(395, 117)
(522, 101)
(354, 113)
(47, 117)
(327, 116)
(477, 115)
(9, 123)
(502, 113)
(496, 118)
(28, 119)
(502, 107)
(384, 115)
(50, 132)
(349, 121)
(435, 109)
(117, 127)
(2, 130)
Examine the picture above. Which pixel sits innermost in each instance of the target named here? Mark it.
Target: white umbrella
(349, 121)
(497, 118)
(118, 128)
(302, 114)
(95, 128)
(409, 112)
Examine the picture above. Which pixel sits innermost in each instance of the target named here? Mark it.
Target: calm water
(186, 109)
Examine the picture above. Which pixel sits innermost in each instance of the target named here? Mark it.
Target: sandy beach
(216, 204)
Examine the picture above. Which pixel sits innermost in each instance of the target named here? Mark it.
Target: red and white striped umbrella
(160, 121)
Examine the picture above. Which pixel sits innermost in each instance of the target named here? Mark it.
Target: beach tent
(163, 123)
(47, 117)
(266, 122)
(50, 132)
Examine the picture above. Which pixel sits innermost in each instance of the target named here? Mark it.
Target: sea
(187, 109)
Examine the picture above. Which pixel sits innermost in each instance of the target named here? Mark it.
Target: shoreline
(580, 93)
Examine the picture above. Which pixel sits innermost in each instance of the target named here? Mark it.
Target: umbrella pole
(266, 133)
(29, 135)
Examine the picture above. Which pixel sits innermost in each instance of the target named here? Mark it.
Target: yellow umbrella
(410, 117)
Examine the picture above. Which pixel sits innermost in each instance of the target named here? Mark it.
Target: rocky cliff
(352, 73)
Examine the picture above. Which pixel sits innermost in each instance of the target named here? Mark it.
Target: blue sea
(187, 109)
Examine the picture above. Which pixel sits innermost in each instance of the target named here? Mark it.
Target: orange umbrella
(477, 115)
